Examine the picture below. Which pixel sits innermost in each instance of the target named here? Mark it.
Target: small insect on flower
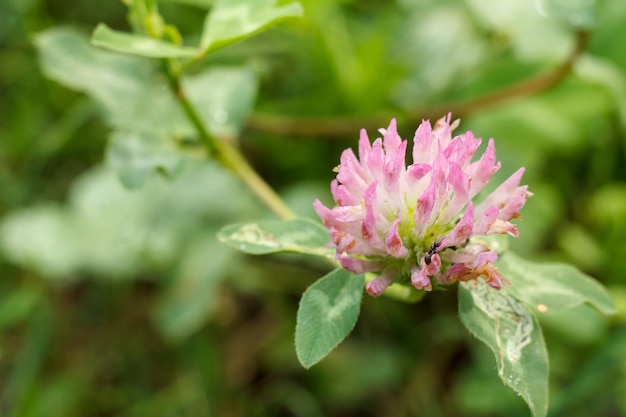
(431, 252)
(388, 214)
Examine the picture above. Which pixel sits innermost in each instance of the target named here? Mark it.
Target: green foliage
(299, 235)
(233, 20)
(224, 96)
(506, 320)
(513, 334)
(327, 314)
(105, 37)
(114, 232)
(149, 124)
(552, 287)
(136, 156)
(118, 299)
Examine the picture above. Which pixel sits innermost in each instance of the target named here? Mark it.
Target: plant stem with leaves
(226, 153)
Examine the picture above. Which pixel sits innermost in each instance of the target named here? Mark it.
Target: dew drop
(219, 115)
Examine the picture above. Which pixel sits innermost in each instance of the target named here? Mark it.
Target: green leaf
(138, 103)
(552, 286)
(510, 330)
(42, 238)
(233, 20)
(140, 45)
(327, 314)
(271, 236)
(529, 34)
(107, 231)
(223, 97)
(125, 87)
(577, 13)
(66, 57)
(136, 156)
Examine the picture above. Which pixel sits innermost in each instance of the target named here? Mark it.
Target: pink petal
(391, 138)
(439, 178)
(501, 227)
(376, 160)
(351, 174)
(433, 267)
(424, 208)
(359, 266)
(364, 146)
(514, 204)
(380, 284)
(462, 149)
(487, 256)
(492, 275)
(343, 241)
(460, 186)
(501, 195)
(338, 217)
(480, 172)
(486, 219)
(369, 231)
(458, 257)
(420, 280)
(418, 171)
(395, 247)
(341, 194)
(422, 143)
(457, 269)
(394, 170)
(460, 182)
(462, 230)
(323, 212)
(442, 132)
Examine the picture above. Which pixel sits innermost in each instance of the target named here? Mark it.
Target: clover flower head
(416, 223)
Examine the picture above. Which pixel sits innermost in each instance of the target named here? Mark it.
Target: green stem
(227, 154)
(343, 126)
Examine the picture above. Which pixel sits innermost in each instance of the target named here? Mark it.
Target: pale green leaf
(124, 86)
(232, 20)
(43, 239)
(134, 44)
(510, 330)
(327, 314)
(223, 97)
(552, 286)
(106, 230)
(271, 236)
(136, 156)
(577, 13)
(529, 33)
(140, 105)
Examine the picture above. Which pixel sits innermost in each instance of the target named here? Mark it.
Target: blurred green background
(119, 301)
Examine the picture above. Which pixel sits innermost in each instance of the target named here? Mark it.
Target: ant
(433, 250)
